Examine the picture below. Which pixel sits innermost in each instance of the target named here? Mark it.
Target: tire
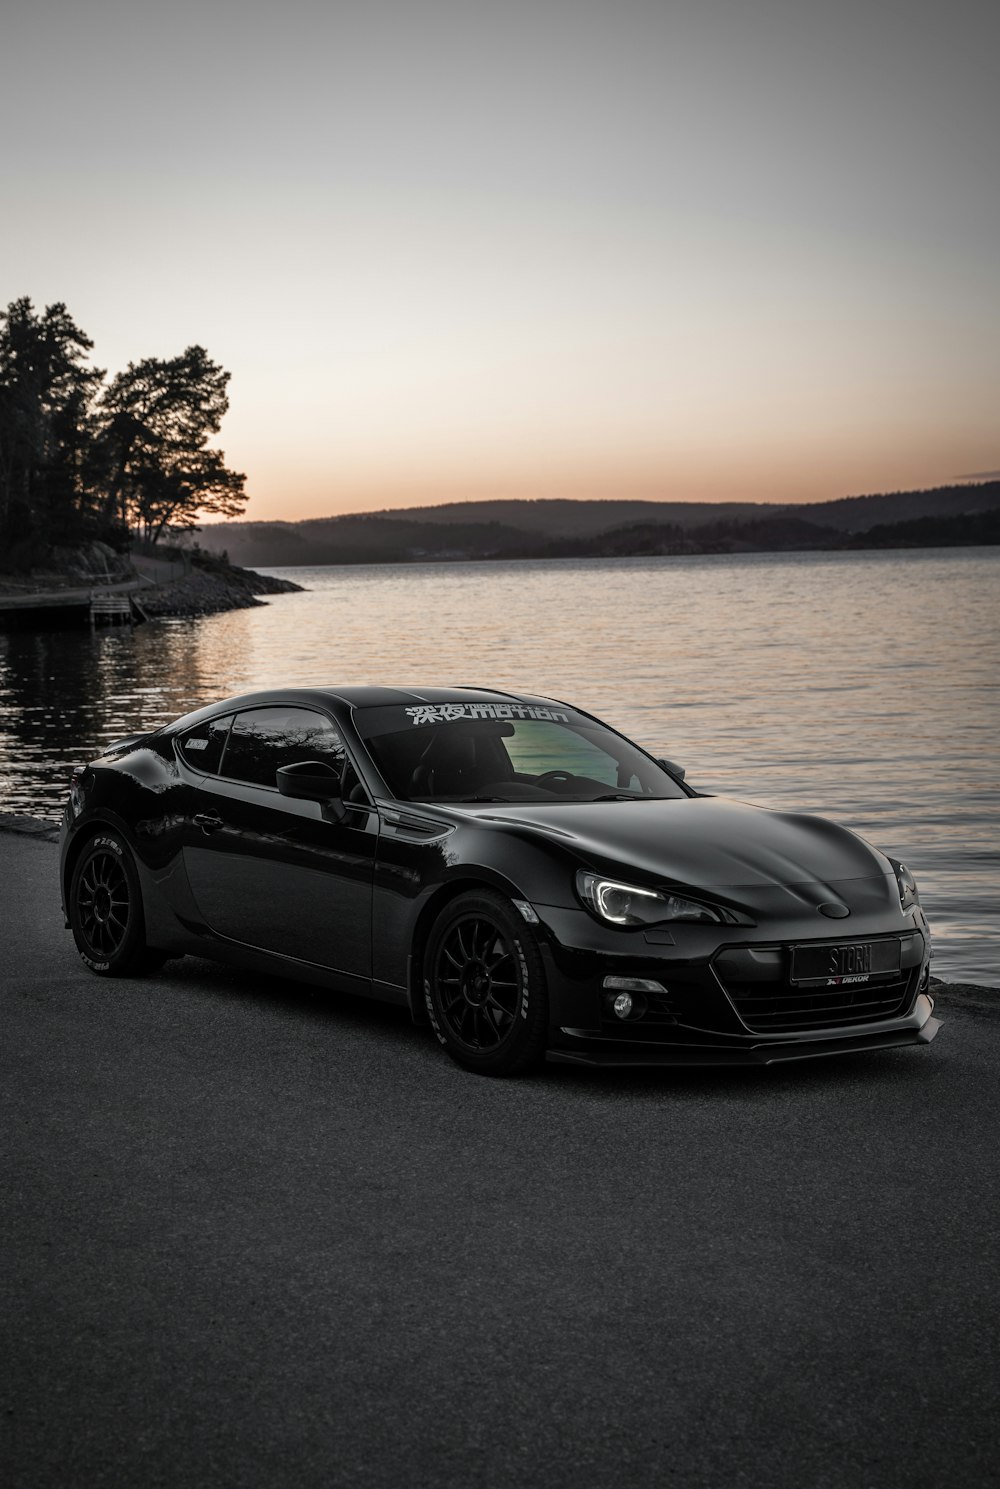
(484, 985)
(105, 910)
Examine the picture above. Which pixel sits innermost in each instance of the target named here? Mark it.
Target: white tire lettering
(524, 978)
(429, 1002)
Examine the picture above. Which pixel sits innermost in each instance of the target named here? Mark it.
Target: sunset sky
(718, 249)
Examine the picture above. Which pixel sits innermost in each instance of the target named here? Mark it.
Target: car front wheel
(484, 985)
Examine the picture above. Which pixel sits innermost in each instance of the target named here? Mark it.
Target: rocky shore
(209, 588)
(176, 582)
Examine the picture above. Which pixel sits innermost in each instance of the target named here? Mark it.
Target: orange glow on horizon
(290, 493)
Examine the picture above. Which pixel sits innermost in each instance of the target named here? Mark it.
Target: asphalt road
(260, 1236)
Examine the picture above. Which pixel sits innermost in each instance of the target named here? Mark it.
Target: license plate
(848, 962)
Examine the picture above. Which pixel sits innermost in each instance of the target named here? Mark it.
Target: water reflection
(863, 685)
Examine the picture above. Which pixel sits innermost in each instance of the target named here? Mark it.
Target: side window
(536, 747)
(263, 739)
(202, 748)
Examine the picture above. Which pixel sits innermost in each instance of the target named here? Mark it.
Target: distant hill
(557, 518)
(971, 529)
(564, 529)
(857, 514)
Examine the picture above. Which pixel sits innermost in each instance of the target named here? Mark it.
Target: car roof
(359, 695)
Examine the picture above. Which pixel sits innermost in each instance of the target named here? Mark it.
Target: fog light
(626, 998)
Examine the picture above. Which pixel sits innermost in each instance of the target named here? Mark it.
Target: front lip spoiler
(582, 1048)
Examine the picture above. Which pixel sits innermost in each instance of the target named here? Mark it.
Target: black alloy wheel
(485, 985)
(479, 985)
(105, 910)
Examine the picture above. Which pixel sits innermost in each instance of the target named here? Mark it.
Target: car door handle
(208, 821)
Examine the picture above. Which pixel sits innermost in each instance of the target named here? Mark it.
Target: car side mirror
(672, 769)
(312, 780)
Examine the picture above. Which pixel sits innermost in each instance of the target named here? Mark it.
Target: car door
(269, 871)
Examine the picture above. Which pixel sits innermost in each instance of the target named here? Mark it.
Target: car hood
(702, 841)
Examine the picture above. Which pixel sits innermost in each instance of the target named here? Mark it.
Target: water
(863, 686)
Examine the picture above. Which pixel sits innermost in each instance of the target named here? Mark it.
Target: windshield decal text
(446, 713)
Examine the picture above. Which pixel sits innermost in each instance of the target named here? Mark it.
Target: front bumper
(584, 1047)
(733, 1000)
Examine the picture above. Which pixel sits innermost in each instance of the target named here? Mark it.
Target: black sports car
(521, 876)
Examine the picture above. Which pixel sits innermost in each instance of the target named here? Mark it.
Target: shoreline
(577, 560)
(212, 590)
(144, 589)
(968, 994)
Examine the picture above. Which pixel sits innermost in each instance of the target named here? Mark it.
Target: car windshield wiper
(617, 796)
(463, 800)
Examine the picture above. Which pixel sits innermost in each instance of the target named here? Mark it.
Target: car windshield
(506, 753)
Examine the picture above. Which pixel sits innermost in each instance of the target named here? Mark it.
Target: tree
(48, 420)
(78, 464)
(159, 417)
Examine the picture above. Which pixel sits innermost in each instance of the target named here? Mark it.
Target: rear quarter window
(202, 748)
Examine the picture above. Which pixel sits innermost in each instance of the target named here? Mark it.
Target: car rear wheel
(484, 985)
(105, 910)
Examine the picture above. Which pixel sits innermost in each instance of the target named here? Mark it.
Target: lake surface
(863, 686)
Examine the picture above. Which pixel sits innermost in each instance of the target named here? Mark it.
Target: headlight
(627, 904)
(906, 884)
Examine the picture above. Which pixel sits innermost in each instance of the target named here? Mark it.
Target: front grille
(780, 1007)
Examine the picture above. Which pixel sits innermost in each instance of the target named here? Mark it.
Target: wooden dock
(110, 610)
(112, 604)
